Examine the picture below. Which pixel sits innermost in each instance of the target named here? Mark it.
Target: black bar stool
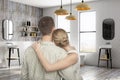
(108, 57)
(11, 50)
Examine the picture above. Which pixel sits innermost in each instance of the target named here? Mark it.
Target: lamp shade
(61, 11)
(71, 17)
(82, 6)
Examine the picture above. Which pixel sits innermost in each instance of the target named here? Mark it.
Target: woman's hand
(36, 46)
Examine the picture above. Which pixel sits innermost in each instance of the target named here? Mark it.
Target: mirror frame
(108, 29)
(7, 29)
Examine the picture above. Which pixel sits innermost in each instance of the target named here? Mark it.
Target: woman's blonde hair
(60, 37)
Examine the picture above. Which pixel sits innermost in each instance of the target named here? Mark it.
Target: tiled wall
(18, 13)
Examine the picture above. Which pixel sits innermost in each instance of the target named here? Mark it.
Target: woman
(60, 38)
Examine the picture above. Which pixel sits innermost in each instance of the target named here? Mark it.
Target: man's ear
(53, 29)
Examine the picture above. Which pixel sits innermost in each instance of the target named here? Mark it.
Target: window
(88, 31)
(64, 24)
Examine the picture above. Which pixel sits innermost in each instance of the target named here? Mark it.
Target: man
(32, 68)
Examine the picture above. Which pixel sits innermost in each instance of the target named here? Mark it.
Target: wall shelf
(30, 32)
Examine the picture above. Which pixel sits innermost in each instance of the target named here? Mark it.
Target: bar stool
(108, 57)
(11, 50)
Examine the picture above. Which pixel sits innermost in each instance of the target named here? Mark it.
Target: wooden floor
(99, 73)
(87, 72)
(12, 73)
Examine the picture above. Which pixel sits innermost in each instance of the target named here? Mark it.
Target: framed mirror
(7, 29)
(108, 29)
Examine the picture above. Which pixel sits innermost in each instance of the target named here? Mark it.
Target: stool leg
(12, 50)
(99, 57)
(9, 57)
(18, 55)
(107, 53)
(110, 58)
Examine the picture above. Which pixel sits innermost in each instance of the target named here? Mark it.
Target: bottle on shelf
(24, 32)
(28, 23)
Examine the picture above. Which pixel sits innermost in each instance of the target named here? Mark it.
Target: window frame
(86, 32)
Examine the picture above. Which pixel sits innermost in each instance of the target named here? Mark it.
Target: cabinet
(30, 32)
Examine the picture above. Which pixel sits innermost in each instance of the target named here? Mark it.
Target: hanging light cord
(61, 4)
(82, 1)
(70, 6)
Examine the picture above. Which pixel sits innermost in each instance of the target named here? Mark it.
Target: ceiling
(48, 3)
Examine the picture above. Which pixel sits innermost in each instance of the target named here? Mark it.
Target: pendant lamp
(61, 11)
(82, 6)
(71, 17)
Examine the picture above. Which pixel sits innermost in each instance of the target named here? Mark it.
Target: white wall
(104, 9)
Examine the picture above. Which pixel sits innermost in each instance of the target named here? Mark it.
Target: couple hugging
(52, 57)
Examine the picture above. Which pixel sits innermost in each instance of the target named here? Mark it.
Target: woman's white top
(72, 72)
